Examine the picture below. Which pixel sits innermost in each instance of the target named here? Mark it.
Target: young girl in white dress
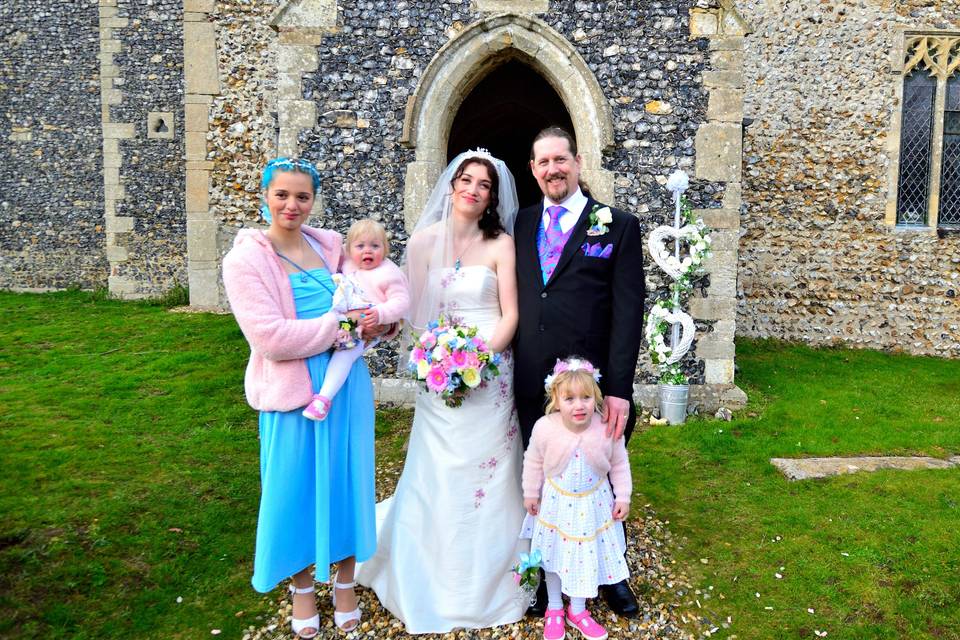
(573, 517)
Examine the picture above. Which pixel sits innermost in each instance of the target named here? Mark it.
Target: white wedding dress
(448, 537)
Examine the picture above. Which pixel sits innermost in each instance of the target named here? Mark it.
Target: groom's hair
(555, 132)
(489, 223)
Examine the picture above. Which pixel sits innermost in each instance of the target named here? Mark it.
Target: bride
(447, 538)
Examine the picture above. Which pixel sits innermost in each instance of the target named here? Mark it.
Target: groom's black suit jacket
(591, 307)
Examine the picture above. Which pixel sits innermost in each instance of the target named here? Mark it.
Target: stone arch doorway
(503, 113)
(474, 55)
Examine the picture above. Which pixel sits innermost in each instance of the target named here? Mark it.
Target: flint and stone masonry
(136, 131)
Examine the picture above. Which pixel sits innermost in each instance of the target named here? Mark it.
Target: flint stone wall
(370, 63)
(817, 262)
(150, 67)
(51, 204)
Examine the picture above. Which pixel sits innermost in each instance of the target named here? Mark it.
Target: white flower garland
(667, 312)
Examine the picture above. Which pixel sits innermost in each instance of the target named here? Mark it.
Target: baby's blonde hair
(368, 227)
(580, 380)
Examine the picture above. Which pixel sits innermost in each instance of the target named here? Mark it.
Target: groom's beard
(557, 190)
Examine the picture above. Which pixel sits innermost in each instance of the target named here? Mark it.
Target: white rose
(604, 215)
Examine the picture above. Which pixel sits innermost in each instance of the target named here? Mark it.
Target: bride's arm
(507, 290)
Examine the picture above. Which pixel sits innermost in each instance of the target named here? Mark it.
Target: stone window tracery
(928, 184)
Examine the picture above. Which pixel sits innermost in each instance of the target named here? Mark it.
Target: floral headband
(570, 364)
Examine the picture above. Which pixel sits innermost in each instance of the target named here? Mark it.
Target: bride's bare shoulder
(503, 244)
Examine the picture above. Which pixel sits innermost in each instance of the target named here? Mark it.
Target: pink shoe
(553, 625)
(318, 408)
(585, 623)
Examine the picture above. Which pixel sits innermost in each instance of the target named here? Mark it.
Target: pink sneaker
(318, 408)
(553, 625)
(585, 623)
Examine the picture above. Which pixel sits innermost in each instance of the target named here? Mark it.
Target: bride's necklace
(457, 264)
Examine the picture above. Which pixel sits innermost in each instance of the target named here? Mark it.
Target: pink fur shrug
(384, 285)
(552, 444)
(261, 298)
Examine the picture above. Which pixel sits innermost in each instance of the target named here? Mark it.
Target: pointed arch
(461, 63)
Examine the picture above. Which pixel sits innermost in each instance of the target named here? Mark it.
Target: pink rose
(436, 379)
(428, 340)
(417, 354)
(473, 362)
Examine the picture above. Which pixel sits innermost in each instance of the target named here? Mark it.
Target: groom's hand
(617, 410)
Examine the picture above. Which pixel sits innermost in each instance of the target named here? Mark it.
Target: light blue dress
(317, 502)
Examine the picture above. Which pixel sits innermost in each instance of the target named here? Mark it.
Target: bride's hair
(576, 380)
(489, 222)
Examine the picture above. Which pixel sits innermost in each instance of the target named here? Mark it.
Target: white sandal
(342, 618)
(299, 626)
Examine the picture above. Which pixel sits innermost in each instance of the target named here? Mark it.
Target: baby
(372, 290)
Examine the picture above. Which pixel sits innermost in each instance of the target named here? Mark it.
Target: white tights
(554, 598)
(338, 369)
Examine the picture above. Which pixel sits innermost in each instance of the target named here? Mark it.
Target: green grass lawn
(130, 481)
(872, 555)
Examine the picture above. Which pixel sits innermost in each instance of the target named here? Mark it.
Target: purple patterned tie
(550, 242)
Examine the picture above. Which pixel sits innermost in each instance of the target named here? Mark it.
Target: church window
(928, 181)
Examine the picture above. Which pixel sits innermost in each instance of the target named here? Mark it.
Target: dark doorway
(502, 114)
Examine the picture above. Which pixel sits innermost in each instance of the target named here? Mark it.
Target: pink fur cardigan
(385, 285)
(552, 444)
(261, 298)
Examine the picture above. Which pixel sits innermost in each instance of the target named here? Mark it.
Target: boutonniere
(599, 219)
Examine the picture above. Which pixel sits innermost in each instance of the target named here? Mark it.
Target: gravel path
(669, 604)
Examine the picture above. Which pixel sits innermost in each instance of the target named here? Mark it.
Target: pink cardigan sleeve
(532, 479)
(620, 472)
(261, 319)
(396, 293)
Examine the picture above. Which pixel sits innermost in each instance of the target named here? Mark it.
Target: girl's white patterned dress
(575, 530)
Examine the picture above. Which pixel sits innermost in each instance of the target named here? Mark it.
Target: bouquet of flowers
(526, 573)
(451, 359)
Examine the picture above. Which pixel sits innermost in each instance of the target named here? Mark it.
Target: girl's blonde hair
(579, 380)
(368, 227)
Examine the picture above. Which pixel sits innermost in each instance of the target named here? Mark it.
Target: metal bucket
(673, 402)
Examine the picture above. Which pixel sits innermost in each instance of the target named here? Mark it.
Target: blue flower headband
(286, 164)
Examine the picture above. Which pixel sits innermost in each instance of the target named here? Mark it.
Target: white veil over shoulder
(430, 246)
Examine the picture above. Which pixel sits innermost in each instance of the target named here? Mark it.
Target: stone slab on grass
(806, 468)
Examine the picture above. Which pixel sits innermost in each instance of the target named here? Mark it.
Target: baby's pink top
(261, 298)
(552, 445)
(386, 285)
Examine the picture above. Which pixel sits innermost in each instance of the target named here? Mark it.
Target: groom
(581, 290)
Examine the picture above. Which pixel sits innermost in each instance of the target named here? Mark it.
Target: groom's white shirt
(574, 204)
